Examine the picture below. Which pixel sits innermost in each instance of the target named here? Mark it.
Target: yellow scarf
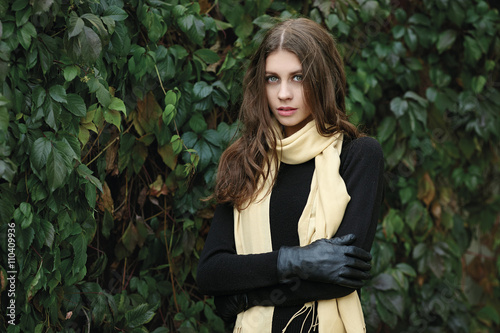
(320, 218)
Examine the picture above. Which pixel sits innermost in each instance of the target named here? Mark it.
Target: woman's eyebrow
(298, 71)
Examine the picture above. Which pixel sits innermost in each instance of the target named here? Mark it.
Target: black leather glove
(228, 307)
(326, 260)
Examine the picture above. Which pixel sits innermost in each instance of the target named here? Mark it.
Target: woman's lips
(286, 111)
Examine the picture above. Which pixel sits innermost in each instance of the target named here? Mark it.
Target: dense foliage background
(113, 115)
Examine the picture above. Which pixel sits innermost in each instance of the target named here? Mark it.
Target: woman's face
(285, 94)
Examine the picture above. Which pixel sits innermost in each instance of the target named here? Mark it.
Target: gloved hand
(228, 307)
(326, 260)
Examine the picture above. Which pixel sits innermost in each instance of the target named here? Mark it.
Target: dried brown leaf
(426, 189)
(105, 199)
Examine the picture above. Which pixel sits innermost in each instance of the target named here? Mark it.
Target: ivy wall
(113, 115)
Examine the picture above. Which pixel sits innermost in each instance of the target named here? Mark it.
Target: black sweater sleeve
(221, 271)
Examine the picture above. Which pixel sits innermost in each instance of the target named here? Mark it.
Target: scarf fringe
(308, 307)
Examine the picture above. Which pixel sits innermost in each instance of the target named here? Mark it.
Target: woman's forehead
(283, 62)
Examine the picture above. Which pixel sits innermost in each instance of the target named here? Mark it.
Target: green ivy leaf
(418, 112)
(139, 315)
(91, 45)
(179, 10)
(79, 252)
(213, 137)
(386, 128)
(478, 83)
(49, 232)
(34, 285)
(419, 19)
(38, 96)
(70, 72)
(103, 95)
(178, 52)
(398, 31)
(406, 269)
(412, 95)
(4, 119)
(472, 50)
(393, 223)
(171, 97)
(107, 224)
(205, 152)
(90, 194)
(118, 105)
(201, 90)
(193, 27)
(24, 238)
(356, 94)
(68, 152)
(42, 6)
(446, 40)
(220, 98)
(168, 114)
(384, 282)
(86, 173)
(265, 21)
(414, 213)
(25, 34)
(7, 169)
(57, 170)
(189, 139)
(177, 143)
(39, 153)
(23, 215)
(411, 39)
(115, 13)
(70, 145)
(443, 101)
(52, 110)
(198, 123)
(22, 16)
(97, 23)
(18, 5)
(489, 314)
(58, 94)
(393, 301)
(207, 55)
(75, 25)
(113, 117)
(331, 21)
(455, 13)
(399, 106)
(86, 47)
(76, 105)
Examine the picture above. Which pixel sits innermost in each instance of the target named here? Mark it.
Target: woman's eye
(271, 79)
(298, 78)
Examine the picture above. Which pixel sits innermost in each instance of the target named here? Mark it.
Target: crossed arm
(223, 273)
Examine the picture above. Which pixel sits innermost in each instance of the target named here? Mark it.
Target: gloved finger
(358, 264)
(227, 319)
(226, 307)
(354, 274)
(350, 283)
(344, 240)
(357, 252)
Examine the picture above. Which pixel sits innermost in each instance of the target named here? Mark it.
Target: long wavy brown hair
(249, 158)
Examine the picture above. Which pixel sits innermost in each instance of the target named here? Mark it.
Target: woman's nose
(285, 92)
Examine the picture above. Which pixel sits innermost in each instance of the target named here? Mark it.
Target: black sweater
(223, 272)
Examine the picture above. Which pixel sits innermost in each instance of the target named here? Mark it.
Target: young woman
(298, 195)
